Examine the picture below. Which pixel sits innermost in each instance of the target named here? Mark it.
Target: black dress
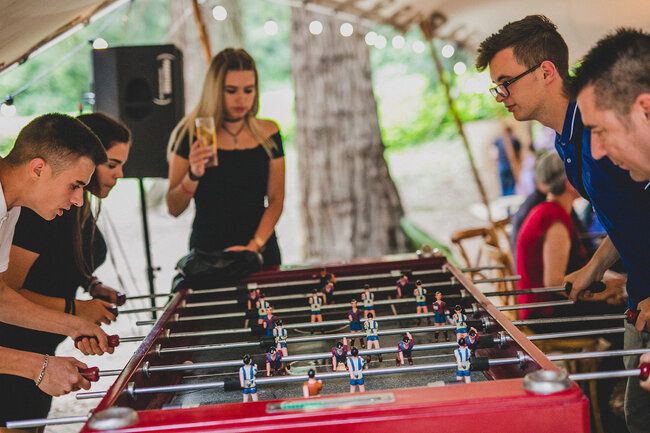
(54, 273)
(231, 199)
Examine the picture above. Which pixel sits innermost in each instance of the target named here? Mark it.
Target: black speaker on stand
(143, 87)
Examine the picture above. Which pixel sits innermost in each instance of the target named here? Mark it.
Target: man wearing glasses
(528, 61)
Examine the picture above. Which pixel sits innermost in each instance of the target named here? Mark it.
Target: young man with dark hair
(528, 62)
(612, 87)
(52, 159)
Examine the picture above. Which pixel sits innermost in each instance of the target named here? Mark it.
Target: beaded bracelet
(41, 375)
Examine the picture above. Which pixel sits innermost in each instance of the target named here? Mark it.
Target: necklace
(235, 135)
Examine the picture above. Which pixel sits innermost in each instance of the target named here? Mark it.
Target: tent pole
(459, 124)
(203, 34)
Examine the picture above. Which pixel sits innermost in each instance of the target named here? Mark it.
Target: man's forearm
(20, 363)
(605, 257)
(19, 311)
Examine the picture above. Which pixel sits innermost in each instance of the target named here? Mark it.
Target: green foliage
(6, 143)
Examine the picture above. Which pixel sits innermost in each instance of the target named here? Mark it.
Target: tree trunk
(350, 205)
(222, 34)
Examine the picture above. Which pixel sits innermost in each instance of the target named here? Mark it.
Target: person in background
(508, 152)
(239, 201)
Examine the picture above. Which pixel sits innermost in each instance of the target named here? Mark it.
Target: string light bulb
(370, 38)
(447, 51)
(219, 13)
(271, 28)
(315, 27)
(398, 42)
(346, 29)
(100, 44)
(418, 47)
(460, 68)
(381, 42)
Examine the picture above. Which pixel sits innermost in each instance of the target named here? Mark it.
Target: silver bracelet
(41, 375)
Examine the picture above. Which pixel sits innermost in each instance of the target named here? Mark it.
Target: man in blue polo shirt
(528, 61)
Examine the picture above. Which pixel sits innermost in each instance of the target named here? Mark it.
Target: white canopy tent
(29, 26)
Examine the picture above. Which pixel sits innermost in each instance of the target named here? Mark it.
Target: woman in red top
(548, 246)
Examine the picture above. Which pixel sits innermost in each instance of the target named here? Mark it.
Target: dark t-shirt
(54, 273)
(230, 198)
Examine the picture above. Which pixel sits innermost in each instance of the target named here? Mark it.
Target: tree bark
(350, 205)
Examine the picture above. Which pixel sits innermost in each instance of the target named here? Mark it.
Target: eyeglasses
(502, 89)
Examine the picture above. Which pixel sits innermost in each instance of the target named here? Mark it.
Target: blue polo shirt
(621, 204)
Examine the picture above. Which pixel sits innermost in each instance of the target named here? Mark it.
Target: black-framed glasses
(502, 89)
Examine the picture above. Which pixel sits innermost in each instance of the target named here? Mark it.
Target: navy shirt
(622, 205)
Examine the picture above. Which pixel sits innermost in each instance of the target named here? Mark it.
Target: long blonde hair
(211, 101)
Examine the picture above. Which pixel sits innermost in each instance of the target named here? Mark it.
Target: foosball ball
(365, 346)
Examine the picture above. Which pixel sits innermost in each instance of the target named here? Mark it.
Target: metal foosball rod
(396, 273)
(291, 340)
(473, 307)
(477, 364)
(450, 283)
(485, 341)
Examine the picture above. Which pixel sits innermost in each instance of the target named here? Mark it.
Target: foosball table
(184, 375)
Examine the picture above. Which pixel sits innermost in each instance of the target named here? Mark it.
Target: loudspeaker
(143, 87)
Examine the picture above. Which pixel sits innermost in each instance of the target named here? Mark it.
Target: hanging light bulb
(346, 29)
(371, 38)
(219, 13)
(418, 46)
(460, 68)
(100, 44)
(447, 51)
(398, 42)
(315, 27)
(271, 28)
(381, 42)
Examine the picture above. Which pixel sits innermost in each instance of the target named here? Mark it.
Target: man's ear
(643, 101)
(549, 70)
(36, 167)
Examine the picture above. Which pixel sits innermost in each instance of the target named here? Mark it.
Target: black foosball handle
(595, 287)
(479, 363)
(113, 310)
(91, 374)
(113, 340)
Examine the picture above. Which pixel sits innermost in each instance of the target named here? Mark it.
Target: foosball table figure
(199, 360)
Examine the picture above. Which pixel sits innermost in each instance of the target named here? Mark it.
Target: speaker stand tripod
(147, 246)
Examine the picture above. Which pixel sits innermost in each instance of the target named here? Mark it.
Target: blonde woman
(239, 201)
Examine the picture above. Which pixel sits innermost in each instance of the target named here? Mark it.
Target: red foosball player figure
(355, 367)
(326, 277)
(368, 299)
(440, 315)
(261, 306)
(340, 355)
(315, 303)
(371, 327)
(354, 316)
(274, 364)
(462, 355)
(405, 348)
(328, 292)
(253, 297)
(312, 387)
(280, 335)
(459, 318)
(402, 285)
(269, 321)
(247, 379)
(471, 340)
(420, 294)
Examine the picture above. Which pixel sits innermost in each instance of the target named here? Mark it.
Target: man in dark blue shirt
(528, 61)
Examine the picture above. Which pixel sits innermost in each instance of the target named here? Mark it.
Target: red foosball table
(183, 377)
